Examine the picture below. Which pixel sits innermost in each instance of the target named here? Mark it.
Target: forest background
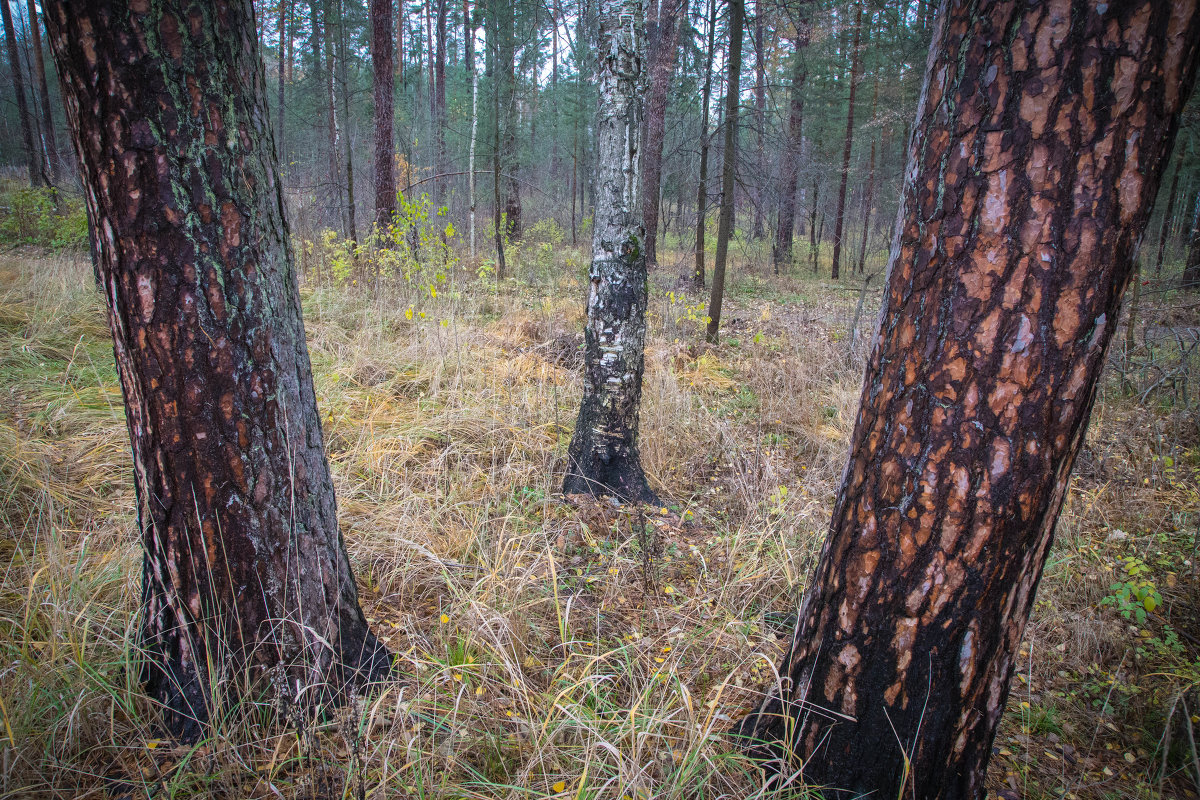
(449, 374)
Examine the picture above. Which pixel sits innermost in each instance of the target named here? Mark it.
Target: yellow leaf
(444, 619)
(560, 786)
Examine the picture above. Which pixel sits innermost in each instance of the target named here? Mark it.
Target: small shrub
(28, 216)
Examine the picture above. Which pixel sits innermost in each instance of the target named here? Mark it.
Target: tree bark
(246, 584)
(32, 154)
(497, 215)
(840, 218)
(1042, 134)
(383, 72)
(698, 277)
(869, 197)
(786, 218)
(469, 54)
(1191, 268)
(603, 455)
(737, 15)
(332, 129)
(439, 105)
(344, 85)
(39, 67)
(662, 70)
(506, 72)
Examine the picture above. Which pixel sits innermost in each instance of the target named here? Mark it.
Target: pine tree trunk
(603, 455)
(781, 255)
(1168, 213)
(39, 67)
(285, 7)
(344, 85)
(246, 586)
(840, 218)
(760, 120)
(1041, 140)
(497, 216)
(469, 54)
(439, 106)
(869, 197)
(698, 277)
(1191, 267)
(508, 145)
(383, 72)
(32, 154)
(737, 14)
(332, 128)
(662, 71)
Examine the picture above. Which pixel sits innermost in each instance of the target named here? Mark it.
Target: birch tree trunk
(247, 590)
(603, 454)
(1042, 135)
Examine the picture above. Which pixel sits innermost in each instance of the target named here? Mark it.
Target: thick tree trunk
(1042, 135)
(383, 73)
(49, 143)
(603, 454)
(32, 154)
(737, 14)
(781, 255)
(848, 143)
(662, 71)
(246, 586)
(702, 186)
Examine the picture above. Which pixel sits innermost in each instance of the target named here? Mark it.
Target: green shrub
(29, 216)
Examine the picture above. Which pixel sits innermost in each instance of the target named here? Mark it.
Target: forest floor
(546, 648)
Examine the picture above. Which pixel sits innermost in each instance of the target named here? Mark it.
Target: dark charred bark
(32, 154)
(1040, 143)
(49, 143)
(848, 143)
(383, 72)
(737, 15)
(662, 70)
(702, 186)
(246, 585)
(603, 455)
(781, 255)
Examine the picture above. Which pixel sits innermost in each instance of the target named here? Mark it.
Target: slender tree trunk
(32, 155)
(869, 197)
(574, 178)
(662, 71)
(1167, 214)
(1040, 143)
(285, 7)
(352, 226)
(603, 454)
(247, 590)
(508, 149)
(556, 16)
(840, 218)
(786, 217)
(698, 277)
(49, 144)
(760, 120)
(383, 72)
(1191, 268)
(469, 54)
(497, 217)
(439, 105)
(333, 130)
(737, 12)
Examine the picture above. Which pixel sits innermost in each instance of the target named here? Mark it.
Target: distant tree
(383, 73)
(663, 47)
(32, 154)
(702, 183)
(49, 144)
(737, 20)
(246, 584)
(1191, 267)
(1040, 143)
(603, 455)
(848, 141)
(781, 254)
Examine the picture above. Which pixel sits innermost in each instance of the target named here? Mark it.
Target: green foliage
(1136, 595)
(28, 217)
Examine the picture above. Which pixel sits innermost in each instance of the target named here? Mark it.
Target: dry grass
(544, 649)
